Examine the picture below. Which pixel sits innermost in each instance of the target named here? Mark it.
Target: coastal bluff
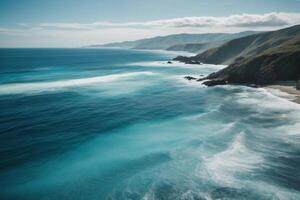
(258, 59)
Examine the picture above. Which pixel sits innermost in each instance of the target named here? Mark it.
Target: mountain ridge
(165, 42)
(256, 59)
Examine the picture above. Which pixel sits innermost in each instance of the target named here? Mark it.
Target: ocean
(125, 124)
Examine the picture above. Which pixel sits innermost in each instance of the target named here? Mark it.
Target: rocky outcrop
(258, 59)
(216, 81)
(190, 78)
(260, 70)
(187, 60)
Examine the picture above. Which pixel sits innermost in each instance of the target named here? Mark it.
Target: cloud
(80, 34)
(244, 20)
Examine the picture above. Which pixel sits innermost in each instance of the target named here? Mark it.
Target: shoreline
(286, 90)
(282, 89)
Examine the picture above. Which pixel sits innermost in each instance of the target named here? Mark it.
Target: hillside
(260, 59)
(194, 47)
(248, 46)
(165, 42)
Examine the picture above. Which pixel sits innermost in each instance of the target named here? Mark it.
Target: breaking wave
(17, 88)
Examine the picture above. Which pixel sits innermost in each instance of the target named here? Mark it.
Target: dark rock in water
(201, 79)
(169, 62)
(181, 58)
(192, 62)
(189, 78)
(187, 60)
(216, 81)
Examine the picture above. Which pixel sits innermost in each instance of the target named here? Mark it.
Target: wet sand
(288, 87)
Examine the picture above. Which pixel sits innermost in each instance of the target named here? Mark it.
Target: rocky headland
(258, 59)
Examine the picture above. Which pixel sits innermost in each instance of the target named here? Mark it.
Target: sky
(75, 23)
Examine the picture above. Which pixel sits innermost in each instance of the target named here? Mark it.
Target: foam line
(17, 88)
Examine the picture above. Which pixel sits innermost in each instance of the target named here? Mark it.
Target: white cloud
(79, 34)
(244, 20)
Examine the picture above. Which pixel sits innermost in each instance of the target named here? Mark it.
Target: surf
(131, 127)
(17, 88)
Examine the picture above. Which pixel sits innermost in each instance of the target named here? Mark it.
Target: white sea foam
(166, 52)
(263, 99)
(276, 191)
(162, 64)
(17, 88)
(281, 97)
(237, 158)
(186, 82)
(264, 102)
(279, 93)
(176, 64)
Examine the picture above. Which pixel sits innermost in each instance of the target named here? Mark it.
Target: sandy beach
(288, 87)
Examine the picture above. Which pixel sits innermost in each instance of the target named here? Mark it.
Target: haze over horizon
(75, 23)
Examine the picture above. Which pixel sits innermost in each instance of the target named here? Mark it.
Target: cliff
(260, 59)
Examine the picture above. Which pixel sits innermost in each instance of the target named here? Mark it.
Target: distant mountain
(260, 59)
(165, 42)
(126, 44)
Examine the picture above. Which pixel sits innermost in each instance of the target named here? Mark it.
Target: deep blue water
(124, 124)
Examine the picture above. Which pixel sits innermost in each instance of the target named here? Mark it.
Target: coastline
(287, 89)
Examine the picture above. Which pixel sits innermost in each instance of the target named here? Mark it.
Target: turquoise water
(124, 124)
